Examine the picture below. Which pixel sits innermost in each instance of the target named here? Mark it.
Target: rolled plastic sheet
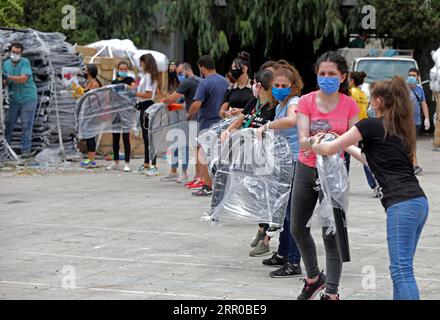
(106, 110)
(253, 180)
(331, 212)
(167, 130)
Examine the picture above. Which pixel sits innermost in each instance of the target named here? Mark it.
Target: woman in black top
(240, 92)
(122, 78)
(388, 143)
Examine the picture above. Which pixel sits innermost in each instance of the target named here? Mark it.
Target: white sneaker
(127, 168)
(152, 171)
(113, 166)
(183, 178)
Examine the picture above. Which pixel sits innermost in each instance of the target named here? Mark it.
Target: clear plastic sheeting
(107, 109)
(6, 152)
(211, 144)
(166, 129)
(49, 158)
(253, 180)
(334, 183)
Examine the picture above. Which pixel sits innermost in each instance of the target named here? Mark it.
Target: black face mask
(236, 73)
(172, 75)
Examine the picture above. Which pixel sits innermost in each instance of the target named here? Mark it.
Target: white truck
(379, 64)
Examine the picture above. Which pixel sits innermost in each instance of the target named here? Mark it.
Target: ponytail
(397, 111)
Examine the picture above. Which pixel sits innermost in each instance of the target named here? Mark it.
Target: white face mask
(15, 57)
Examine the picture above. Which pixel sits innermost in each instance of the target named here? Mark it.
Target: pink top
(335, 121)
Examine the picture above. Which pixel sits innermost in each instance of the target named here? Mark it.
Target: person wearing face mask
(23, 99)
(206, 104)
(122, 78)
(388, 143)
(187, 90)
(286, 89)
(329, 109)
(91, 74)
(258, 112)
(418, 99)
(240, 92)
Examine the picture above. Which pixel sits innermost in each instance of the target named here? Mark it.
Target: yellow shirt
(362, 101)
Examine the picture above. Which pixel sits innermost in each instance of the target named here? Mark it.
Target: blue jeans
(184, 155)
(370, 178)
(287, 247)
(26, 113)
(405, 221)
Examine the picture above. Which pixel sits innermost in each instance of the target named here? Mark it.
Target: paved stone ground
(126, 236)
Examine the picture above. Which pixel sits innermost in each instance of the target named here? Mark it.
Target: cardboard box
(85, 51)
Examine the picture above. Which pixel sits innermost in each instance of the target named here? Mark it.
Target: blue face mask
(329, 85)
(123, 74)
(180, 77)
(412, 80)
(281, 94)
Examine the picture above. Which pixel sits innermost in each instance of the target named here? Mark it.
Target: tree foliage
(11, 13)
(212, 25)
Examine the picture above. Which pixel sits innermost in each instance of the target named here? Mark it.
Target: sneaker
(183, 178)
(195, 183)
(197, 186)
(310, 291)
(26, 155)
(142, 169)
(194, 180)
(88, 164)
(260, 250)
(204, 191)
(275, 261)
(260, 236)
(289, 270)
(325, 296)
(152, 171)
(127, 168)
(169, 177)
(418, 170)
(113, 166)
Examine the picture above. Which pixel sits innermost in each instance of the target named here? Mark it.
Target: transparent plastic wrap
(6, 152)
(211, 144)
(107, 109)
(253, 180)
(166, 129)
(331, 211)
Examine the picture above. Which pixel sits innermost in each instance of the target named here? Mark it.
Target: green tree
(11, 13)
(212, 24)
(412, 24)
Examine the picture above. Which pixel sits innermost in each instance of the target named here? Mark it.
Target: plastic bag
(107, 109)
(253, 180)
(49, 158)
(166, 129)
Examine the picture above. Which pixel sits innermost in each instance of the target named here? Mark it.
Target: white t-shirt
(147, 85)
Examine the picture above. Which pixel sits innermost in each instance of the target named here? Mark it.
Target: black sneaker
(289, 270)
(275, 261)
(311, 290)
(325, 296)
(205, 191)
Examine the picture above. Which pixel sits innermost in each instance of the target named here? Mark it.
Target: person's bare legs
(203, 168)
